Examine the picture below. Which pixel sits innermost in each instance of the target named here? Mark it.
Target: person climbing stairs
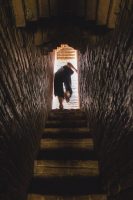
(66, 167)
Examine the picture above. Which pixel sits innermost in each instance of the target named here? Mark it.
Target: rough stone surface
(25, 78)
(106, 95)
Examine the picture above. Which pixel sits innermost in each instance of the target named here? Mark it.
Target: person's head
(69, 64)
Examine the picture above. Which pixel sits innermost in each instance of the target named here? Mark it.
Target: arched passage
(65, 54)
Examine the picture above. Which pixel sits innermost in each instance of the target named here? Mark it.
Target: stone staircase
(66, 167)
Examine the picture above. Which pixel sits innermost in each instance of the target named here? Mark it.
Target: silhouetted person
(63, 75)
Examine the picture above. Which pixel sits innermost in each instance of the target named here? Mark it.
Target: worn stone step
(66, 123)
(65, 149)
(66, 115)
(66, 133)
(86, 144)
(70, 168)
(55, 134)
(83, 197)
(67, 185)
(67, 111)
(67, 154)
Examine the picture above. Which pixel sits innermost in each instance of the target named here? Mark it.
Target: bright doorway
(64, 54)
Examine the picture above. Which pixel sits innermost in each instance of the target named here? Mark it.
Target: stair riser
(65, 116)
(67, 154)
(67, 163)
(67, 135)
(66, 124)
(68, 112)
(66, 186)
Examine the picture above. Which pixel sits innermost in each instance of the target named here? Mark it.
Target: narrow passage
(65, 54)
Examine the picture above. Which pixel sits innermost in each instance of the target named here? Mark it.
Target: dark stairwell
(29, 31)
(66, 165)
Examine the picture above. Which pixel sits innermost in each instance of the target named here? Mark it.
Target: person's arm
(71, 66)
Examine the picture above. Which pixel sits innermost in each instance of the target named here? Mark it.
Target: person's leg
(58, 91)
(67, 96)
(68, 92)
(61, 99)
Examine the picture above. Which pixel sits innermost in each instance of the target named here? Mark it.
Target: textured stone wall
(26, 78)
(106, 89)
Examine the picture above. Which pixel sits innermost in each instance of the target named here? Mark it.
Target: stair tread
(67, 115)
(66, 135)
(66, 167)
(67, 111)
(53, 168)
(67, 143)
(83, 197)
(69, 121)
(68, 129)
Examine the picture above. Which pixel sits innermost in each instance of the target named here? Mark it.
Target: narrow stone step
(67, 111)
(63, 115)
(67, 185)
(66, 167)
(66, 123)
(70, 168)
(81, 149)
(86, 144)
(66, 133)
(72, 130)
(84, 197)
(67, 154)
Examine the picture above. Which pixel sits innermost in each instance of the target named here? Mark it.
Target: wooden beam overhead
(44, 8)
(45, 36)
(91, 7)
(31, 10)
(38, 38)
(19, 14)
(114, 9)
(53, 7)
(102, 12)
(81, 8)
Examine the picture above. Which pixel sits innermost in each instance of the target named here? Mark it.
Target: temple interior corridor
(85, 151)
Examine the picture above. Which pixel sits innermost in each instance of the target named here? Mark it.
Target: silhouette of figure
(63, 76)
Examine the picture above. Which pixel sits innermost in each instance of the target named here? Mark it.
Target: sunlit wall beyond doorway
(65, 54)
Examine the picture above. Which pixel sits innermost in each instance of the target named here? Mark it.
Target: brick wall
(26, 78)
(106, 87)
